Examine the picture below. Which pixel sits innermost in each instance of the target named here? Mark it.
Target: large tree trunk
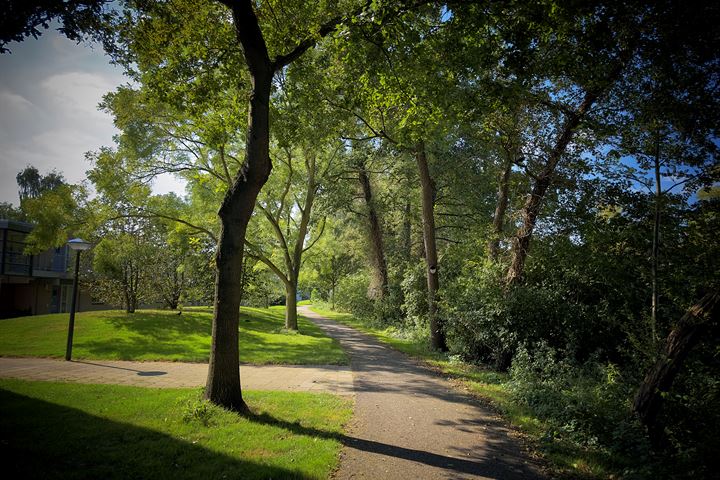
(223, 383)
(379, 283)
(659, 379)
(437, 334)
(531, 209)
(501, 207)
(291, 305)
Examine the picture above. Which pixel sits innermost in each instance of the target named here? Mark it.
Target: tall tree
(256, 36)
(32, 184)
(379, 282)
(290, 222)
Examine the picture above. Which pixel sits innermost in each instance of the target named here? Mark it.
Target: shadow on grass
(164, 325)
(44, 440)
(136, 348)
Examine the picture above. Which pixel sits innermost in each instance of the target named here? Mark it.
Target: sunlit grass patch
(164, 335)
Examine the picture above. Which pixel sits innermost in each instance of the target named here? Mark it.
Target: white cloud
(78, 93)
(167, 183)
(48, 110)
(13, 103)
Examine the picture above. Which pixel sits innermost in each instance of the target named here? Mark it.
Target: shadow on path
(141, 373)
(486, 467)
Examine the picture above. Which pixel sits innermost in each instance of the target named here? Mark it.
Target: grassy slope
(163, 335)
(565, 459)
(56, 430)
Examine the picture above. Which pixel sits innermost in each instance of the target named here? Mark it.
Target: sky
(49, 91)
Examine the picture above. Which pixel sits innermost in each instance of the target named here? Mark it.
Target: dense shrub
(691, 417)
(414, 295)
(351, 295)
(586, 403)
(486, 323)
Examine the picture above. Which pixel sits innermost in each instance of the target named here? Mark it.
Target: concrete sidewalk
(335, 379)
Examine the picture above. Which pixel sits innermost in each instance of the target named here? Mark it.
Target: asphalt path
(410, 423)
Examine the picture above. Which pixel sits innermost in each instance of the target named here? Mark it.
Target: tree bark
(223, 383)
(501, 207)
(379, 283)
(659, 379)
(291, 306)
(437, 334)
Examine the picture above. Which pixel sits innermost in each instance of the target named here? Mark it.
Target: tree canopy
(519, 183)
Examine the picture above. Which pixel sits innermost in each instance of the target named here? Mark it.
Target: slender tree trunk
(223, 383)
(531, 209)
(656, 245)
(501, 207)
(407, 232)
(126, 294)
(659, 379)
(291, 305)
(333, 284)
(437, 335)
(294, 262)
(379, 284)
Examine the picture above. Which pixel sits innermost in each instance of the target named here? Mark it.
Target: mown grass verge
(73, 431)
(163, 335)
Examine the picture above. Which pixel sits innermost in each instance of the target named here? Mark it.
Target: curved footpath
(410, 423)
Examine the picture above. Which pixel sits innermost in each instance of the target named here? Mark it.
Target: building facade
(35, 284)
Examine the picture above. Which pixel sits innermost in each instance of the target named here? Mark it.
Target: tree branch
(256, 253)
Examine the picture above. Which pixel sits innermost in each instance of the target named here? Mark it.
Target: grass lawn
(565, 458)
(163, 335)
(73, 431)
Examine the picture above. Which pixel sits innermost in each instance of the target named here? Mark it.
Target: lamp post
(78, 245)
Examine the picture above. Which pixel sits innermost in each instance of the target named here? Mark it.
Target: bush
(413, 286)
(351, 295)
(487, 323)
(587, 404)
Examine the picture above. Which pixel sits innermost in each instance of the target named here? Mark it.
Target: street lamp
(79, 245)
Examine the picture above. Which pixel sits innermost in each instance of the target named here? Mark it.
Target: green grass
(565, 458)
(162, 335)
(73, 431)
